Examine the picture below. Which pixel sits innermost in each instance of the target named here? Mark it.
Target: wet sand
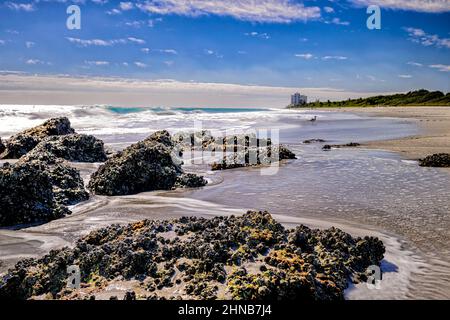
(434, 123)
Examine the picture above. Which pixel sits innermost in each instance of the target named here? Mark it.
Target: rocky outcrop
(73, 147)
(23, 142)
(441, 160)
(2, 146)
(242, 150)
(145, 166)
(39, 186)
(68, 187)
(37, 191)
(328, 147)
(248, 257)
(250, 157)
(309, 141)
(189, 180)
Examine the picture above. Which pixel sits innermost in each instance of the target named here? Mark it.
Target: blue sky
(281, 43)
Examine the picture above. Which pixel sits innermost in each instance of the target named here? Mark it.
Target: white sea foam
(103, 121)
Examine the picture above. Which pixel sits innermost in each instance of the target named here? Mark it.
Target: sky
(219, 53)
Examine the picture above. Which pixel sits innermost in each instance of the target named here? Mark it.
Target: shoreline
(433, 122)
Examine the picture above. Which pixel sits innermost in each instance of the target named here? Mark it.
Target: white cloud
(140, 64)
(305, 56)
(11, 31)
(308, 56)
(134, 24)
(374, 79)
(338, 21)
(420, 36)
(168, 51)
(114, 12)
(2, 42)
(28, 7)
(91, 42)
(104, 43)
(280, 11)
(97, 63)
(441, 67)
(405, 76)
(328, 9)
(258, 35)
(415, 64)
(36, 62)
(412, 5)
(30, 44)
(125, 6)
(334, 58)
(213, 53)
(136, 40)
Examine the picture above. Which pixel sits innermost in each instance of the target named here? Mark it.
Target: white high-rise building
(298, 99)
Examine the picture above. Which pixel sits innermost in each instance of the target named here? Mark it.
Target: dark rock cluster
(148, 165)
(2, 146)
(57, 137)
(309, 141)
(23, 142)
(249, 157)
(36, 191)
(238, 151)
(73, 147)
(247, 257)
(441, 160)
(328, 147)
(41, 184)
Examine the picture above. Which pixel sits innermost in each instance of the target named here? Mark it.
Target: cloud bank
(280, 11)
(435, 6)
(18, 88)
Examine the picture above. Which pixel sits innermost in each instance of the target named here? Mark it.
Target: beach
(434, 136)
(363, 191)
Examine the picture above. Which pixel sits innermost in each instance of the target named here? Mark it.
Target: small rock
(441, 160)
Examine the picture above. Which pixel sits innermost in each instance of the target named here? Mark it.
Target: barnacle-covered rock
(23, 142)
(2, 146)
(145, 166)
(38, 190)
(198, 258)
(436, 160)
(73, 147)
(254, 157)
